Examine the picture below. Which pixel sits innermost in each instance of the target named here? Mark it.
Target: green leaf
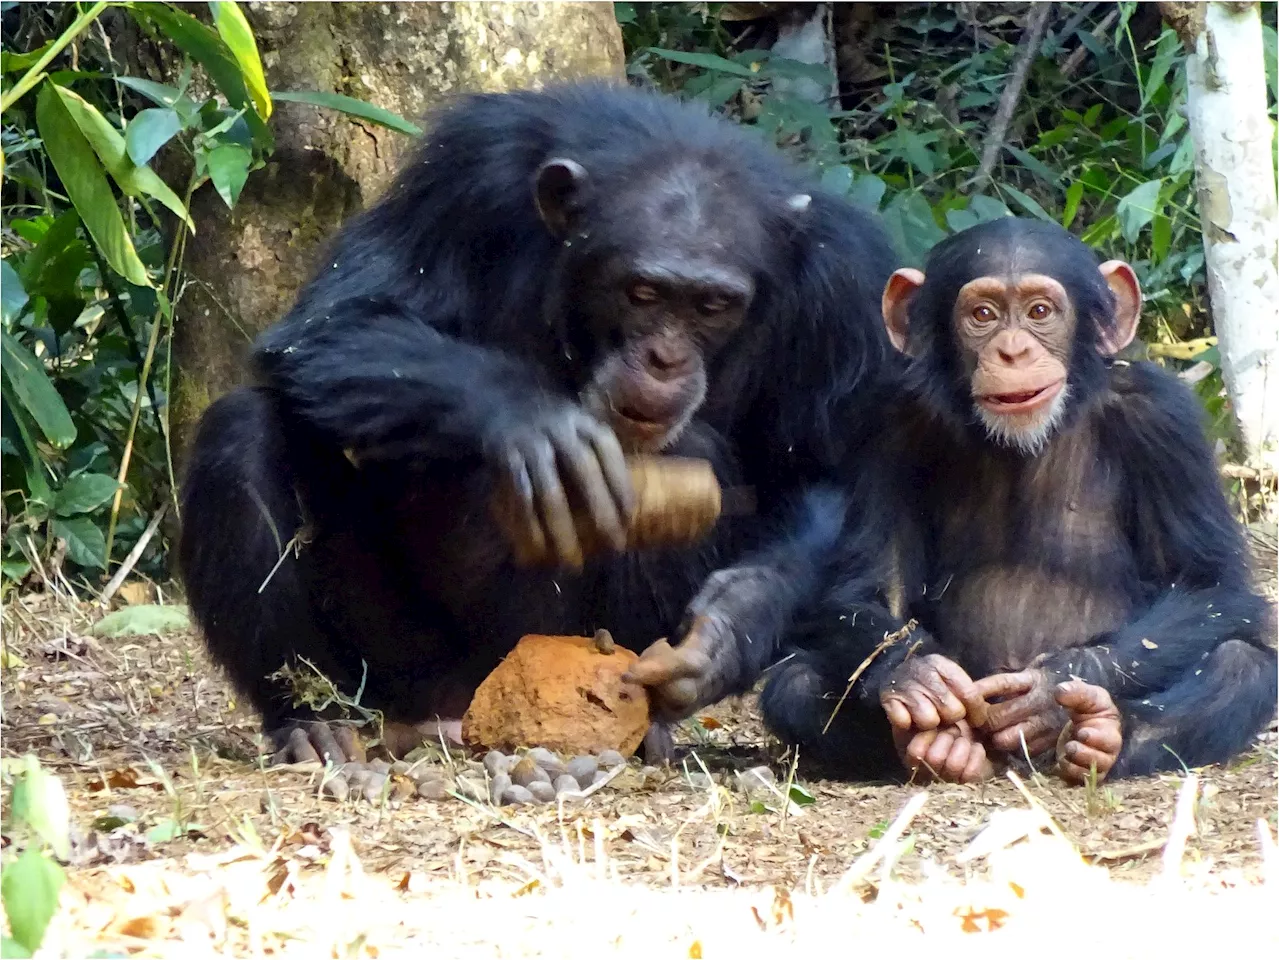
(1168, 49)
(867, 191)
(784, 68)
(1027, 204)
(10, 947)
(910, 223)
(30, 888)
(837, 180)
(112, 149)
(85, 543)
(13, 422)
(987, 208)
(1137, 208)
(86, 184)
(149, 131)
(13, 297)
(228, 167)
(800, 796)
(40, 802)
(84, 493)
(36, 392)
(708, 61)
(1161, 237)
(959, 220)
(624, 12)
(1075, 193)
(143, 619)
(352, 106)
(165, 96)
(1091, 115)
(1037, 167)
(238, 36)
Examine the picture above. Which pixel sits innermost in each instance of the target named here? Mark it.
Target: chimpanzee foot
(301, 741)
(400, 739)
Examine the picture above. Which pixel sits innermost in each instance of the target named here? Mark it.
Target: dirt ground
(181, 837)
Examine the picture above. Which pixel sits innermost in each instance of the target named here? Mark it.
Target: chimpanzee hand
(316, 740)
(541, 455)
(950, 754)
(702, 667)
(1094, 738)
(1030, 711)
(925, 693)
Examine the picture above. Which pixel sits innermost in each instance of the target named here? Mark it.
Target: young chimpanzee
(1054, 524)
(556, 279)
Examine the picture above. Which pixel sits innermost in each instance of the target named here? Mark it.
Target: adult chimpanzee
(1056, 528)
(556, 279)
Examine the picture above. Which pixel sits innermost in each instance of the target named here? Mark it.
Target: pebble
(527, 771)
(122, 811)
(402, 788)
(565, 784)
(473, 789)
(496, 762)
(517, 794)
(401, 768)
(433, 789)
(599, 776)
(374, 785)
(552, 765)
(542, 791)
(357, 777)
(379, 766)
(498, 786)
(582, 769)
(611, 758)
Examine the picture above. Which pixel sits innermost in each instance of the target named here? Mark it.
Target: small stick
(889, 640)
(134, 556)
(1037, 20)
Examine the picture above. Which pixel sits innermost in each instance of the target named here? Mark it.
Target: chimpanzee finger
(554, 506)
(962, 700)
(920, 746)
(528, 539)
(326, 744)
(297, 749)
(581, 464)
(940, 752)
(1005, 684)
(1076, 766)
(662, 663)
(1039, 732)
(897, 712)
(924, 714)
(349, 743)
(1085, 699)
(979, 767)
(613, 464)
(1105, 737)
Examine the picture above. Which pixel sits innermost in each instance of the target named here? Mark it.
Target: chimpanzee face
(1009, 324)
(659, 277)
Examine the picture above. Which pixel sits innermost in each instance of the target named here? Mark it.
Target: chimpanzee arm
(1191, 672)
(372, 377)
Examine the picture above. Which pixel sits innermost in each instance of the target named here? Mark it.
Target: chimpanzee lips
(1021, 401)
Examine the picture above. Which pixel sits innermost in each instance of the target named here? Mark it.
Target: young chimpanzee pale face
(1014, 330)
(657, 280)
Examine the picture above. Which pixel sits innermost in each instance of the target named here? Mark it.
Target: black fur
(1111, 555)
(443, 313)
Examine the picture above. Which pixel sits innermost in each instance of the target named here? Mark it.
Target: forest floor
(181, 840)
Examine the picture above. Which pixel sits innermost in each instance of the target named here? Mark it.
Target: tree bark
(1236, 196)
(244, 267)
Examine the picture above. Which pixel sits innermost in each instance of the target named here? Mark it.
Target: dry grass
(265, 866)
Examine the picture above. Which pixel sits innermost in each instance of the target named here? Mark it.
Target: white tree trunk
(1235, 179)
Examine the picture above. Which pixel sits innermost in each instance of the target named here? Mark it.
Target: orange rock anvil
(562, 693)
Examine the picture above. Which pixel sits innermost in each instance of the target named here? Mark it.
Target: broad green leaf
(1161, 237)
(782, 67)
(624, 12)
(40, 801)
(1027, 204)
(86, 184)
(867, 191)
(1168, 49)
(238, 36)
(1091, 115)
(1137, 208)
(13, 423)
(1075, 193)
(959, 220)
(800, 796)
(141, 620)
(1038, 167)
(112, 150)
(85, 543)
(165, 96)
(1051, 138)
(13, 297)
(11, 948)
(149, 131)
(987, 208)
(357, 108)
(30, 888)
(11, 62)
(837, 179)
(35, 392)
(84, 493)
(910, 223)
(708, 61)
(228, 167)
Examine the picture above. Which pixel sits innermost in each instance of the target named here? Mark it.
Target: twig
(1037, 20)
(1036, 805)
(135, 554)
(889, 640)
(1072, 63)
(1128, 853)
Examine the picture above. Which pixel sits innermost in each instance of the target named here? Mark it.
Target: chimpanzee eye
(642, 293)
(984, 314)
(713, 304)
(1039, 311)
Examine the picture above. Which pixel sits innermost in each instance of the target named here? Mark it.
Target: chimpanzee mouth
(1021, 401)
(639, 419)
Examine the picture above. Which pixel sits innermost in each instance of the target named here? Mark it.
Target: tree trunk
(245, 266)
(1236, 194)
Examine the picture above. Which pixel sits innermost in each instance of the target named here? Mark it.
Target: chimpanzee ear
(894, 304)
(557, 189)
(1124, 284)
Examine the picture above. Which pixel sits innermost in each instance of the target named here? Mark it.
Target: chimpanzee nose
(668, 359)
(1014, 347)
